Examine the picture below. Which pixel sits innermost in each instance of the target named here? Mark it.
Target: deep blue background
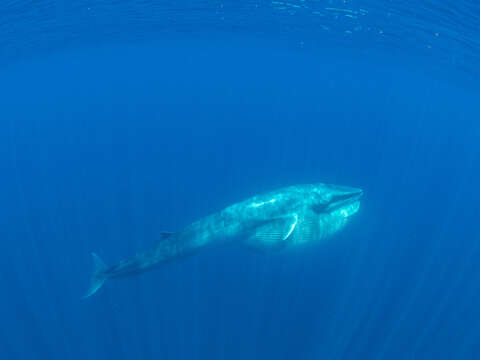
(103, 147)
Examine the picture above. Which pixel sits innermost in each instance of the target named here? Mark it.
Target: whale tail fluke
(98, 277)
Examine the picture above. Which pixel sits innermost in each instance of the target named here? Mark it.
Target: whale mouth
(345, 199)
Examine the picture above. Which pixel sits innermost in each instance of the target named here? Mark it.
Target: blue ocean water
(123, 119)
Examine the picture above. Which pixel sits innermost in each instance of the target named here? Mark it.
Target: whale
(273, 221)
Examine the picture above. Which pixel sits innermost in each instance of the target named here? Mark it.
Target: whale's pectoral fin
(98, 277)
(274, 234)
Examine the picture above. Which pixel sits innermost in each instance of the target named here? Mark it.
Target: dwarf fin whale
(277, 220)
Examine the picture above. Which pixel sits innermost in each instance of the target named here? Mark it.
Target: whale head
(343, 201)
(327, 209)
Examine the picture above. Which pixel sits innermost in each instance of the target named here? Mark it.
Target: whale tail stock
(98, 276)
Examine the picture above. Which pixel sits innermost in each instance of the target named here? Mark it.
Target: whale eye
(320, 202)
(320, 208)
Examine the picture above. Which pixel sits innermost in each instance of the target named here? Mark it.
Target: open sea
(120, 120)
